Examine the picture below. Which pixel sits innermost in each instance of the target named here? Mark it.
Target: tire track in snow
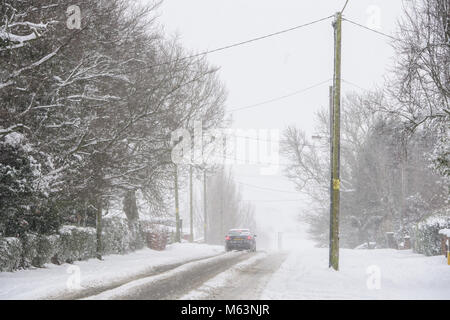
(173, 283)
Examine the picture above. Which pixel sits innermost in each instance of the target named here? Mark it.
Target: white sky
(279, 65)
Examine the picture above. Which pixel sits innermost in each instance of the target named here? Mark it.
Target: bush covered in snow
(71, 244)
(10, 254)
(48, 248)
(425, 235)
(76, 243)
(30, 250)
(157, 236)
(138, 236)
(121, 237)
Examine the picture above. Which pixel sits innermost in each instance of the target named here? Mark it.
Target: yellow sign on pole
(336, 184)
(448, 251)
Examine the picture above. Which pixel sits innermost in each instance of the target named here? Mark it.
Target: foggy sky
(280, 65)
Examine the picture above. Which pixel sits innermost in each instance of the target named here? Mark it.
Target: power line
(280, 97)
(354, 84)
(264, 188)
(370, 29)
(281, 200)
(242, 42)
(249, 162)
(274, 140)
(345, 5)
(261, 176)
(253, 138)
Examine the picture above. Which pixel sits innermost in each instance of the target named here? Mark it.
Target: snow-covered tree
(100, 103)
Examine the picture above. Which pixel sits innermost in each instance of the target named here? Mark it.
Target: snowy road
(176, 282)
(234, 275)
(244, 281)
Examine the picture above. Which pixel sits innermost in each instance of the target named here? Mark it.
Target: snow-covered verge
(221, 279)
(363, 274)
(84, 276)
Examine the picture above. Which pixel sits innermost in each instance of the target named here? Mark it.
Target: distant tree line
(225, 207)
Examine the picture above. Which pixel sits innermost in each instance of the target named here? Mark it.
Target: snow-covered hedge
(10, 254)
(116, 236)
(76, 243)
(30, 252)
(157, 235)
(48, 248)
(38, 250)
(71, 244)
(425, 236)
(120, 237)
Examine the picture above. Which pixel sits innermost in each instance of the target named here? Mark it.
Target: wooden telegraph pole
(177, 208)
(191, 206)
(334, 256)
(99, 228)
(205, 221)
(331, 97)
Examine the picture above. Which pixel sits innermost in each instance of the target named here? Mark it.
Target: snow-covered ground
(67, 279)
(363, 274)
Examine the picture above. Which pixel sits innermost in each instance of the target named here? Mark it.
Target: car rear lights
(227, 238)
(249, 237)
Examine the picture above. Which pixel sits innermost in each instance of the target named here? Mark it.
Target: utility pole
(280, 240)
(191, 207)
(205, 221)
(221, 205)
(177, 208)
(404, 180)
(330, 140)
(222, 189)
(99, 228)
(335, 174)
